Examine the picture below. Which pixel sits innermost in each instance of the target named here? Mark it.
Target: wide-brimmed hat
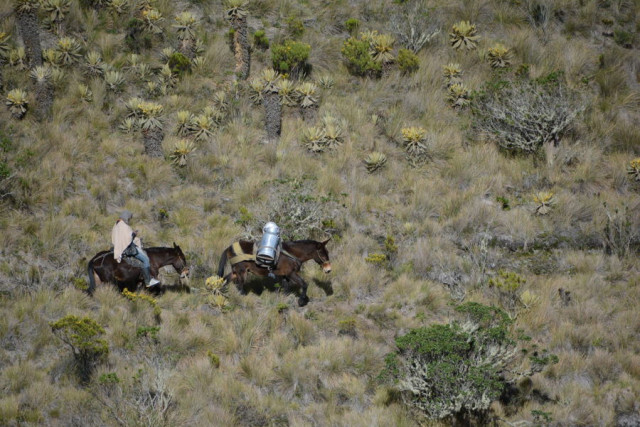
(126, 216)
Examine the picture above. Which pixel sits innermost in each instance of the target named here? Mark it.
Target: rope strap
(240, 256)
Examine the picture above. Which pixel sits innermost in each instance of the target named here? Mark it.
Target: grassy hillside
(449, 218)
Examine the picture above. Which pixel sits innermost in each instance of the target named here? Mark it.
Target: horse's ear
(326, 241)
(175, 246)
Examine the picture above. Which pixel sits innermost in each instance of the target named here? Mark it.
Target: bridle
(322, 261)
(184, 271)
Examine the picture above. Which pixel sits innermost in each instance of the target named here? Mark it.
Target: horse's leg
(286, 285)
(240, 277)
(96, 278)
(231, 277)
(303, 299)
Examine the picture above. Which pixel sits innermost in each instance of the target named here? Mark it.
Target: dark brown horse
(105, 269)
(241, 257)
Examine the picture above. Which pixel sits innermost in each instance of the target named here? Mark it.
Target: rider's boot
(148, 280)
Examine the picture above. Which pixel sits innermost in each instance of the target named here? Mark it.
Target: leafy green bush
(352, 25)
(214, 359)
(454, 370)
(358, 59)
(260, 40)
(229, 36)
(509, 286)
(5, 171)
(347, 326)
(295, 27)
(377, 259)
(5, 146)
(407, 61)
(291, 58)
(135, 38)
(623, 38)
(82, 334)
(179, 64)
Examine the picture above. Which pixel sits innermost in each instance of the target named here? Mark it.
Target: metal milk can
(268, 248)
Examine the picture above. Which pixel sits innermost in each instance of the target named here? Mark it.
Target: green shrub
(347, 326)
(407, 61)
(214, 359)
(5, 171)
(135, 297)
(110, 378)
(352, 25)
(229, 37)
(455, 370)
(291, 58)
(377, 259)
(5, 147)
(135, 38)
(282, 307)
(358, 59)
(83, 336)
(148, 331)
(295, 27)
(623, 38)
(260, 40)
(179, 64)
(78, 282)
(504, 203)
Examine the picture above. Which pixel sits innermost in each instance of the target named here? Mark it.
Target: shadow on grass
(258, 285)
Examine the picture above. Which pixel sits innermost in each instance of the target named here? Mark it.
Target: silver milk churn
(269, 244)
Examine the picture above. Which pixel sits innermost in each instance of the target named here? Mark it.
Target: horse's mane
(301, 241)
(162, 248)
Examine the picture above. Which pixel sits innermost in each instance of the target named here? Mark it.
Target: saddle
(133, 261)
(128, 256)
(240, 255)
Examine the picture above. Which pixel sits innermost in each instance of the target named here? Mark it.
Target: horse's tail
(223, 263)
(92, 280)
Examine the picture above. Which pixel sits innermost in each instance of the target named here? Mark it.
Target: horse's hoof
(302, 301)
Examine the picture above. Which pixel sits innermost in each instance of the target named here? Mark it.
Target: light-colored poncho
(121, 236)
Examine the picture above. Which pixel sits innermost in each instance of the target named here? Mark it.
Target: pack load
(269, 247)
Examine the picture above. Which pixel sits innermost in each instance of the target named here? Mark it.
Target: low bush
(82, 335)
(455, 371)
(407, 61)
(352, 25)
(522, 114)
(179, 64)
(260, 40)
(358, 58)
(295, 27)
(290, 58)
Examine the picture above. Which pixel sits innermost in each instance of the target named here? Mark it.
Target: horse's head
(179, 262)
(321, 256)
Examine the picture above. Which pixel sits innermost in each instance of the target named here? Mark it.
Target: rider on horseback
(126, 243)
